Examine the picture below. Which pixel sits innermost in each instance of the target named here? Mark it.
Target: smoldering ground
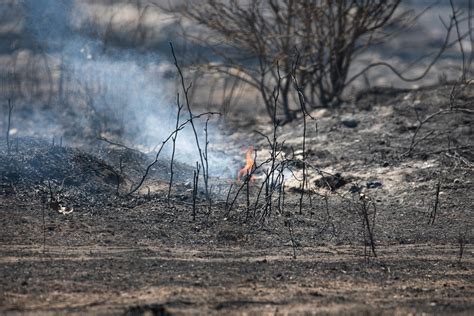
(74, 80)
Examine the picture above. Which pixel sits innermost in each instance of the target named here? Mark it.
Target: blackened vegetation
(327, 34)
(285, 202)
(37, 162)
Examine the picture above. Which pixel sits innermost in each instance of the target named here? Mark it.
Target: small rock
(355, 189)
(385, 164)
(350, 123)
(373, 184)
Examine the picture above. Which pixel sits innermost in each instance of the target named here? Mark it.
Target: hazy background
(86, 68)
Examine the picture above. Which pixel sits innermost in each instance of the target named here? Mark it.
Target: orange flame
(249, 164)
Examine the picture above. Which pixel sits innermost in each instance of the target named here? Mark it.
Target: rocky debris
(350, 122)
(373, 184)
(355, 189)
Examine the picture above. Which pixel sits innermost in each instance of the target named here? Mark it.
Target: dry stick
(174, 148)
(282, 195)
(163, 143)
(435, 207)
(279, 194)
(248, 196)
(196, 137)
(10, 109)
(370, 230)
(372, 239)
(276, 186)
(273, 144)
(227, 198)
(205, 156)
(257, 199)
(303, 110)
(195, 188)
(459, 38)
(268, 201)
(194, 195)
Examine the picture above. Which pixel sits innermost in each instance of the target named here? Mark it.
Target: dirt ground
(138, 255)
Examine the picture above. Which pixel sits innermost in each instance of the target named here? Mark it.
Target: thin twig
(436, 204)
(195, 188)
(174, 148)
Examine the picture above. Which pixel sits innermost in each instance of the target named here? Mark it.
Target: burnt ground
(120, 254)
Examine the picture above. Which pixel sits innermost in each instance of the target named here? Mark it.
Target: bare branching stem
(163, 143)
(191, 120)
(330, 35)
(305, 113)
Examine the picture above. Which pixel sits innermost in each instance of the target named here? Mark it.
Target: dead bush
(251, 37)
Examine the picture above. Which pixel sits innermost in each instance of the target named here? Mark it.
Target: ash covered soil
(137, 254)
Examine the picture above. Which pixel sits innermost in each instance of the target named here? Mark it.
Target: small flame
(249, 165)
